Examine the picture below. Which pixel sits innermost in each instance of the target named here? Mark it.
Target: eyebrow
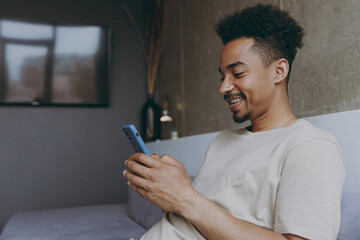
(232, 65)
(235, 64)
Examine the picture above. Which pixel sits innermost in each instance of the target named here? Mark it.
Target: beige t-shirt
(288, 180)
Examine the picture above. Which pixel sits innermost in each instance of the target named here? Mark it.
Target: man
(280, 178)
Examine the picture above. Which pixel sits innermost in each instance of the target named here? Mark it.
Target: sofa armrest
(142, 211)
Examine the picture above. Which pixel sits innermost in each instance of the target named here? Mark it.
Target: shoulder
(303, 132)
(311, 146)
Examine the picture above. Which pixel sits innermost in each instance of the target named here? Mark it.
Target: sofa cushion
(142, 211)
(102, 222)
(350, 216)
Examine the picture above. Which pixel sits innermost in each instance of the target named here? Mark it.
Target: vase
(150, 115)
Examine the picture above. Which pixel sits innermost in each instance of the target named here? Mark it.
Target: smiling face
(247, 85)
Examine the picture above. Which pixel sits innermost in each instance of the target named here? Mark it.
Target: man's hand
(160, 179)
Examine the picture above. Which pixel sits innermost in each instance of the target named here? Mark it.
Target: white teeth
(235, 100)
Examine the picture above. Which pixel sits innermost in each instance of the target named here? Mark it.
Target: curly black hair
(276, 34)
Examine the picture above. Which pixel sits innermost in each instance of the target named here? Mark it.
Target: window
(46, 64)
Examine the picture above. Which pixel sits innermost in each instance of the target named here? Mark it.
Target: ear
(281, 69)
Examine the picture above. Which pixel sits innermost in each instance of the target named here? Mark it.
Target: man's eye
(222, 79)
(238, 75)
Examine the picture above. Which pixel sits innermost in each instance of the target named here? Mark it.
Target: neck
(280, 115)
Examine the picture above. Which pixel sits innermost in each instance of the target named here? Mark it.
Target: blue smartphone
(135, 139)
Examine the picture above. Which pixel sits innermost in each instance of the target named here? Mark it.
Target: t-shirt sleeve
(309, 193)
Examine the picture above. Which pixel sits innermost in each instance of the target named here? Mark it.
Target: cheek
(246, 84)
(259, 91)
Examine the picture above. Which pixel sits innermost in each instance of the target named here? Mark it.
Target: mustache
(234, 95)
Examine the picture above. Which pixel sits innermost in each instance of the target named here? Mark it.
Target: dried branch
(132, 19)
(153, 39)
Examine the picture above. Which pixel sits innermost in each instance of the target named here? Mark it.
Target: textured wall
(325, 72)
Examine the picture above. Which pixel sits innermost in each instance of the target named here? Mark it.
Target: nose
(226, 86)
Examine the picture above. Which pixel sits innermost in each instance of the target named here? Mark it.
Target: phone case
(135, 139)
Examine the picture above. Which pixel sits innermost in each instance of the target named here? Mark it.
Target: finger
(155, 155)
(135, 179)
(169, 160)
(137, 168)
(144, 159)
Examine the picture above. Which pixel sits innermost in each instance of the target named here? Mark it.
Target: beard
(242, 117)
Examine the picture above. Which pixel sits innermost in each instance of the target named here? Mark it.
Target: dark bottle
(150, 115)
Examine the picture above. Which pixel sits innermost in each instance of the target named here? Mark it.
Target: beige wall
(325, 72)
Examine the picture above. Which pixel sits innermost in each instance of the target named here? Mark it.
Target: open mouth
(234, 100)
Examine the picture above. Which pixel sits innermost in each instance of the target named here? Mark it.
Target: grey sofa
(103, 222)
